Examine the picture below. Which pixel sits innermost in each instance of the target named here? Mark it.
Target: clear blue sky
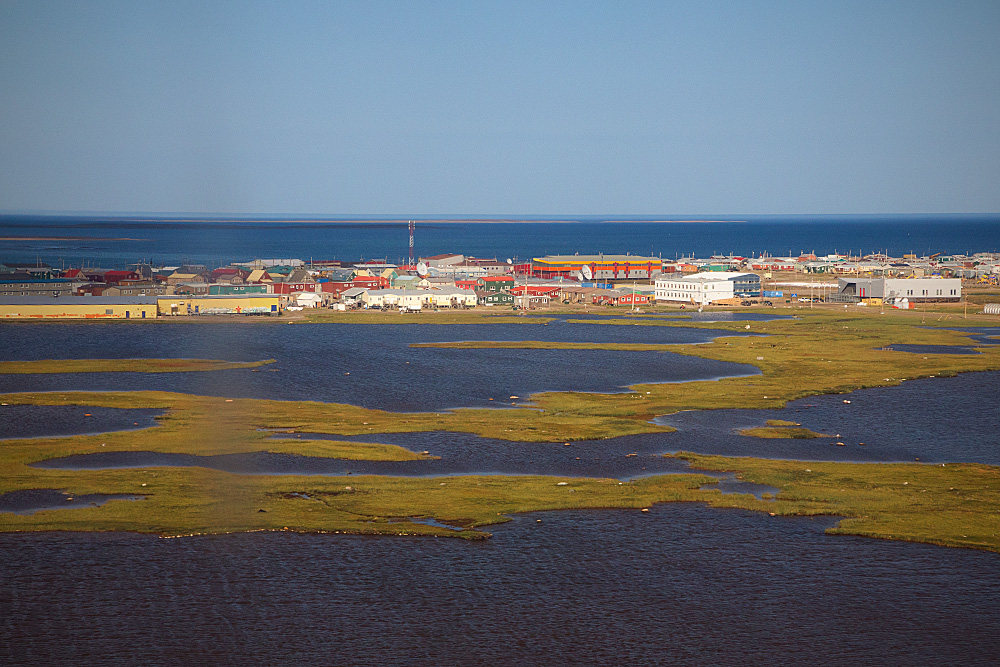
(477, 107)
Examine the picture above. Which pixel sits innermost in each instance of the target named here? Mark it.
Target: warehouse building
(599, 268)
(249, 304)
(876, 290)
(705, 288)
(78, 308)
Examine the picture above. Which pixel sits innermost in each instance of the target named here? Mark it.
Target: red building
(115, 277)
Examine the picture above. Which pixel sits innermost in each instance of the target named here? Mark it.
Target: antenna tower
(411, 242)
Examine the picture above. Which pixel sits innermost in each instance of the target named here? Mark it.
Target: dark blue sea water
(220, 242)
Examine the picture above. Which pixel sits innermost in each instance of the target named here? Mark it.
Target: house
(308, 299)
(353, 295)
(135, 288)
(195, 288)
(177, 277)
(536, 290)
(229, 275)
(572, 293)
(258, 276)
(117, 277)
(406, 282)
(494, 283)
(494, 297)
(529, 301)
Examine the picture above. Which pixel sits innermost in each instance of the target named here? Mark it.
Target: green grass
(782, 432)
(124, 365)
(955, 504)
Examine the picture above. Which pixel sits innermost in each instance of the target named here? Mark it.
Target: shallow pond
(368, 365)
(38, 421)
(30, 501)
(934, 419)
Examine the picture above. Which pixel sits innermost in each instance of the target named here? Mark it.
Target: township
(278, 286)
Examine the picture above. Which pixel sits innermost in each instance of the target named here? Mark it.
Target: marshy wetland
(646, 415)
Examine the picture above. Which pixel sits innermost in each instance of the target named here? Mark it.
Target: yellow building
(599, 268)
(78, 308)
(223, 304)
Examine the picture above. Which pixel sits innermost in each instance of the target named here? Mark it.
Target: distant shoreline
(67, 238)
(84, 220)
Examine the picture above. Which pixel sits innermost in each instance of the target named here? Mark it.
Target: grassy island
(819, 353)
(124, 365)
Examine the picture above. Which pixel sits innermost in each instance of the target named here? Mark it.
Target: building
(14, 286)
(530, 301)
(134, 288)
(494, 283)
(706, 288)
(248, 304)
(452, 297)
(308, 300)
(222, 288)
(78, 308)
(390, 298)
(877, 290)
(438, 261)
(602, 268)
(494, 298)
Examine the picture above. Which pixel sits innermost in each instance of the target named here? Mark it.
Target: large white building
(897, 289)
(705, 288)
(449, 297)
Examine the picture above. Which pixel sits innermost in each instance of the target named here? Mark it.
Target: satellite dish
(587, 273)
(579, 276)
(421, 269)
(509, 261)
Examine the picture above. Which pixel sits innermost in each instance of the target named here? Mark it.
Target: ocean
(115, 242)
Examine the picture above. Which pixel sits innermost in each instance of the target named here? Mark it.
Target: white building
(452, 297)
(891, 289)
(378, 298)
(705, 288)
(447, 297)
(308, 299)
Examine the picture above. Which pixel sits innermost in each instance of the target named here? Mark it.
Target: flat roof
(598, 259)
(709, 275)
(77, 300)
(189, 297)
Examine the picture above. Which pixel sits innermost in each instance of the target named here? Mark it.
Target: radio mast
(411, 242)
